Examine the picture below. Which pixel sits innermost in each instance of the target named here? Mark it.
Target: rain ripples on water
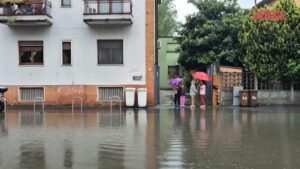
(228, 138)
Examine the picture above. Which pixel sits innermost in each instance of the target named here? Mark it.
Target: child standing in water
(182, 95)
(177, 91)
(202, 94)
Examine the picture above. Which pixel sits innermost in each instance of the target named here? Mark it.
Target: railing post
(81, 105)
(43, 104)
(4, 99)
(131, 7)
(112, 99)
(221, 88)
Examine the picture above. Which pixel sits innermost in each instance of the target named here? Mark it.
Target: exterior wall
(63, 94)
(226, 98)
(267, 97)
(278, 97)
(150, 50)
(167, 56)
(68, 25)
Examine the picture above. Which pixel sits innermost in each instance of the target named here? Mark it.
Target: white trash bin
(142, 97)
(130, 93)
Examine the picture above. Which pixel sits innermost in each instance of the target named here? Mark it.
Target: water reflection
(31, 119)
(32, 156)
(3, 130)
(111, 119)
(68, 156)
(201, 135)
(111, 156)
(168, 138)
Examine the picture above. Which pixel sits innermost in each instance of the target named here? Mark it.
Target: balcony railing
(109, 7)
(24, 9)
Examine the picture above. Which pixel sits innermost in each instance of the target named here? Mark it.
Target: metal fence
(33, 8)
(106, 93)
(249, 82)
(108, 7)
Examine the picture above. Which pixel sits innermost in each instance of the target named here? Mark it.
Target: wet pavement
(214, 138)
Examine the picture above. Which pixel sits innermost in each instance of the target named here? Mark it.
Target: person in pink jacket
(202, 88)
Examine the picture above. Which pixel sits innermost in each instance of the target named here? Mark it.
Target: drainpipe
(156, 31)
(157, 87)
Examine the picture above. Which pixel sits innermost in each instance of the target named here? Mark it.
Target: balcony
(27, 13)
(111, 12)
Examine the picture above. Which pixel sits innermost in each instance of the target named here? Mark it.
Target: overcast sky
(184, 8)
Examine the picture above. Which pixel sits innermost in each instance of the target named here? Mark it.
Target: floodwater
(227, 138)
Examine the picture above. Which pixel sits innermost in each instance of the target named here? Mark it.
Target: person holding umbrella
(202, 76)
(174, 83)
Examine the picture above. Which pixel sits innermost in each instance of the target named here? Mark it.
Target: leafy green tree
(271, 48)
(167, 24)
(211, 34)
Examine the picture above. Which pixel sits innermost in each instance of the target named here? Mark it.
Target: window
(110, 51)
(30, 118)
(66, 3)
(30, 93)
(110, 93)
(117, 7)
(66, 53)
(31, 53)
(173, 71)
(113, 7)
(103, 7)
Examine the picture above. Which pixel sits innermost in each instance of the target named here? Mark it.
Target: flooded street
(226, 138)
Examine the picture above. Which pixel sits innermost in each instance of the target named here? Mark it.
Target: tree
(271, 48)
(167, 24)
(211, 34)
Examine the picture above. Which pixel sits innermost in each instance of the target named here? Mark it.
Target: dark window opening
(110, 51)
(66, 53)
(31, 53)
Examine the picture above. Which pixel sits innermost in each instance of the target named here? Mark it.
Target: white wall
(68, 25)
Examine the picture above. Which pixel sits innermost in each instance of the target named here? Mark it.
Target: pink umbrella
(201, 76)
(174, 82)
